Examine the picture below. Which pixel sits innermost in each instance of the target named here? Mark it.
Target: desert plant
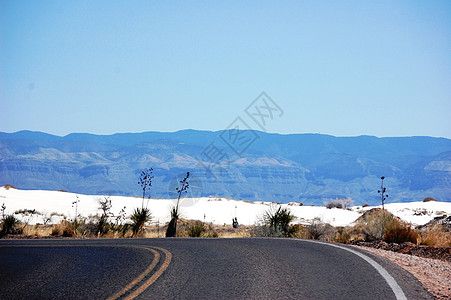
(382, 192)
(175, 214)
(435, 236)
(69, 228)
(342, 235)
(275, 222)
(375, 224)
(397, 232)
(140, 217)
(3, 209)
(333, 204)
(196, 229)
(75, 204)
(80, 227)
(56, 229)
(210, 232)
(429, 199)
(317, 229)
(123, 229)
(103, 225)
(172, 226)
(120, 218)
(27, 215)
(145, 180)
(105, 205)
(339, 203)
(279, 219)
(9, 226)
(118, 226)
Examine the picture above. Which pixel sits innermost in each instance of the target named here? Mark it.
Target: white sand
(215, 210)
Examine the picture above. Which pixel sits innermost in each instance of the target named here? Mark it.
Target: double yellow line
(137, 281)
(151, 280)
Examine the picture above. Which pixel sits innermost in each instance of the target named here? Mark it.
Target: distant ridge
(308, 168)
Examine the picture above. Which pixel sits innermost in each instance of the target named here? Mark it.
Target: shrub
(9, 225)
(333, 205)
(299, 231)
(342, 235)
(103, 225)
(139, 218)
(340, 203)
(122, 229)
(399, 233)
(259, 230)
(278, 221)
(196, 229)
(375, 224)
(210, 232)
(9, 186)
(69, 228)
(76, 228)
(429, 199)
(317, 229)
(56, 230)
(435, 236)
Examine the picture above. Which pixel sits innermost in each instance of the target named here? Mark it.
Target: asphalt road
(197, 269)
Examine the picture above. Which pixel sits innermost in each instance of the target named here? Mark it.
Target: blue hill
(251, 165)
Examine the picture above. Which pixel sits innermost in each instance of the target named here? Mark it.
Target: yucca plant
(145, 180)
(175, 214)
(9, 225)
(278, 220)
(103, 225)
(140, 217)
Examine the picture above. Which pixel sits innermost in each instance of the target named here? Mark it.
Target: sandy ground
(434, 274)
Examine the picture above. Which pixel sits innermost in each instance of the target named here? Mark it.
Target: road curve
(197, 269)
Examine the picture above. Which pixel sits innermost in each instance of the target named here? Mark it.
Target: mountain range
(239, 164)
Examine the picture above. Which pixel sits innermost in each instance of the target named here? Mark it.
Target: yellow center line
(155, 276)
(140, 277)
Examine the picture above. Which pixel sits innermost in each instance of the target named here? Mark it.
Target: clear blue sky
(341, 67)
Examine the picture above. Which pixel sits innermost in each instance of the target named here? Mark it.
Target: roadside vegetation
(374, 226)
(175, 211)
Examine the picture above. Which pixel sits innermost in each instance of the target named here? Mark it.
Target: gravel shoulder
(434, 274)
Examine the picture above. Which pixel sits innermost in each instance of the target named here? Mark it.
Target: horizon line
(216, 131)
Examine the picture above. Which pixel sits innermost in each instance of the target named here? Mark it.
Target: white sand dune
(210, 209)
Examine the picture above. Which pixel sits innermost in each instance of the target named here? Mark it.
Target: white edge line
(384, 273)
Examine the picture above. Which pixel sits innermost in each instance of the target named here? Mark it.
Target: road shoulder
(435, 275)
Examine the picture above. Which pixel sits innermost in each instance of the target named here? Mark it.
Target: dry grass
(211, 230)
(435, 236)
(239, 233)
(37, 230)
(400, 232)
